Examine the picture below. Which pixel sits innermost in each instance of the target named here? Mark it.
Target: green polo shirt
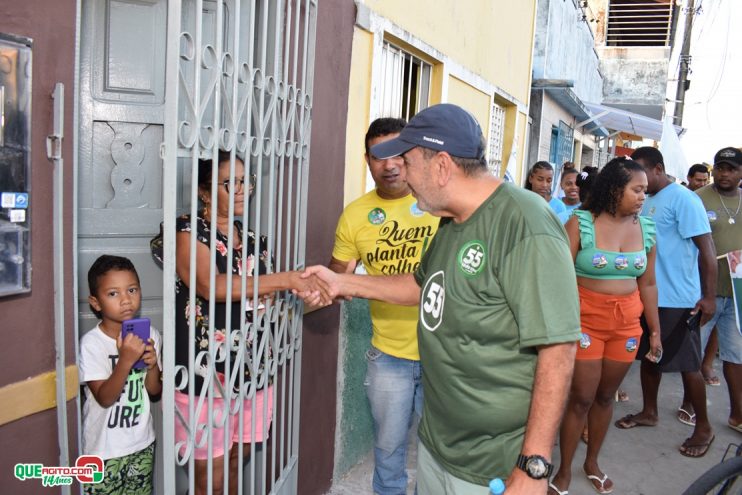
(493, 288)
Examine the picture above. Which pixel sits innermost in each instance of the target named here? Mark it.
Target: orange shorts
(610, 325)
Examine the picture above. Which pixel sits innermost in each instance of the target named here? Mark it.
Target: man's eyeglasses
(239, 183)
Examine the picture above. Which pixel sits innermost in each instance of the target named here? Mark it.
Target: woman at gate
(614, 253)
(226, 320)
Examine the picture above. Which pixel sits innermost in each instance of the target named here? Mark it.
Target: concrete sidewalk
(640, 461)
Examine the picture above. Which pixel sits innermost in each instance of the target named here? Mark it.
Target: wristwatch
(535, 466)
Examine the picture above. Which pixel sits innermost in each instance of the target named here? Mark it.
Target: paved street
(641, 461)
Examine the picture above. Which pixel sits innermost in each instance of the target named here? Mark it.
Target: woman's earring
(636, 218)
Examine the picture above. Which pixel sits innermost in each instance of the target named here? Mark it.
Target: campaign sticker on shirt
(631, 344)
(651, 211)
(622, 262)
(377, 216)
(584, 341)
(472, 257)
(639, 262)
(599, 260)
(432, 300)
(711, 214)
(415, 210)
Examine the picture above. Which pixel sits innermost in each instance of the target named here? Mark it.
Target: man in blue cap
(499, 312)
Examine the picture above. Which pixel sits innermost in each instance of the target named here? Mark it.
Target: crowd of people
(509, 318)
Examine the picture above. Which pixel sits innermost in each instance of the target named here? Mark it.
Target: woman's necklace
(729, 214)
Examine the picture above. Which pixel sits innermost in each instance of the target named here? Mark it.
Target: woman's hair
(568, 171)
(585, 180)
(607, 190)
(205, 167)
(537, 166)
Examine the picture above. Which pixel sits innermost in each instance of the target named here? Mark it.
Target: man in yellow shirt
(387, 232)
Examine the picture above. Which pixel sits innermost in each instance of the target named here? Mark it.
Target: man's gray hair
(470, 166)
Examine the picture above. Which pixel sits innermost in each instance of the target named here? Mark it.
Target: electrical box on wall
(15, 164)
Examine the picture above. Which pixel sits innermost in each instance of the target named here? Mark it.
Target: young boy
(117, 424)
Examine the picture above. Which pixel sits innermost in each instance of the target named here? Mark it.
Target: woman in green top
(614, 254)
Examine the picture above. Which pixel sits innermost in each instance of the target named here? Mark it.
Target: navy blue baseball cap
(443, 127)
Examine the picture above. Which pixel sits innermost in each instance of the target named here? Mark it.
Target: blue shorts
(730, 339)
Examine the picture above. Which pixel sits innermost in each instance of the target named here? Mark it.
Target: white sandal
(602, 490)
(691, 421)
(557, 490)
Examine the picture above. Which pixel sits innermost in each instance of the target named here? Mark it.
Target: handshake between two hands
(317, 286)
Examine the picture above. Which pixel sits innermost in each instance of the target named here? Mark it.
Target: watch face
(536, 467)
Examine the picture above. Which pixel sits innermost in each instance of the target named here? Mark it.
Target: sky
(713, 104)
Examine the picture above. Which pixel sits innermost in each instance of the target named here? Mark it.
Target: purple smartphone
(140, 328)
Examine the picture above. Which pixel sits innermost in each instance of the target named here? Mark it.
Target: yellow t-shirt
(388, 236)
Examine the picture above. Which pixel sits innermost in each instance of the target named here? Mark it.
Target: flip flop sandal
(737, 428)
(704, 448)
(712, 381)
(628, 422)
(602, 489)
(689, 419)
(557, 490)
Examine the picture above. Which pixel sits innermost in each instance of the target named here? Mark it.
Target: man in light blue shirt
(683, 244)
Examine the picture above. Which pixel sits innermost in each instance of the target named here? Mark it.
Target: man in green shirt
(723, 201)
(499, 312)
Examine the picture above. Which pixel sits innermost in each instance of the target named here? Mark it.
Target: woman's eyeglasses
(240, 183)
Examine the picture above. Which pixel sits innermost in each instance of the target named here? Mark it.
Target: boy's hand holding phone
(139, 327)
(131, 349)
(150, 356)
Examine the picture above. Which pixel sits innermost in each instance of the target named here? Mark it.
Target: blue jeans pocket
(372, 354)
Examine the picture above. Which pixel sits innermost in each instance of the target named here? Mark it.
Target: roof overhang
(561, 91)
(617, 120)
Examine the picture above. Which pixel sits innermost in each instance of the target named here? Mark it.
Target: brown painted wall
(28, 320)
(327, 164)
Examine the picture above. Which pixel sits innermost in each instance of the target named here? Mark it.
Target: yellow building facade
(411, 54)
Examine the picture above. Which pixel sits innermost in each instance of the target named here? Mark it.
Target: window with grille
(405, 83)
(639, 22)
(497, 133)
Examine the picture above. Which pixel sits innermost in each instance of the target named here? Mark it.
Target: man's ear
(93, 301)
(365, 157)
(444, 166)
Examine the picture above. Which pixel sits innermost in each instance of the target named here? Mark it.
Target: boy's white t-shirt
(125, 427)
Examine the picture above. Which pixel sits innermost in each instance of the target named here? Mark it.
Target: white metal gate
(238, 79)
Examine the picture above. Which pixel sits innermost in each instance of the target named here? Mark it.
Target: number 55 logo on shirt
(472, 258)
(434, 296)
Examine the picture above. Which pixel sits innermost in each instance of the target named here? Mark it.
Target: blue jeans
(394, 389)
(727, 331)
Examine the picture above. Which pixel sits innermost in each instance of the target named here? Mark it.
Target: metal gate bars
(239, 81)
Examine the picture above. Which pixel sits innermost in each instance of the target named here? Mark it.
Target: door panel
(122, 91)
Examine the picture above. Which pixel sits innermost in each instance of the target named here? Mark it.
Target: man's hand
(707, 306)
(519, 482)
(326, 279)
(311, 288)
